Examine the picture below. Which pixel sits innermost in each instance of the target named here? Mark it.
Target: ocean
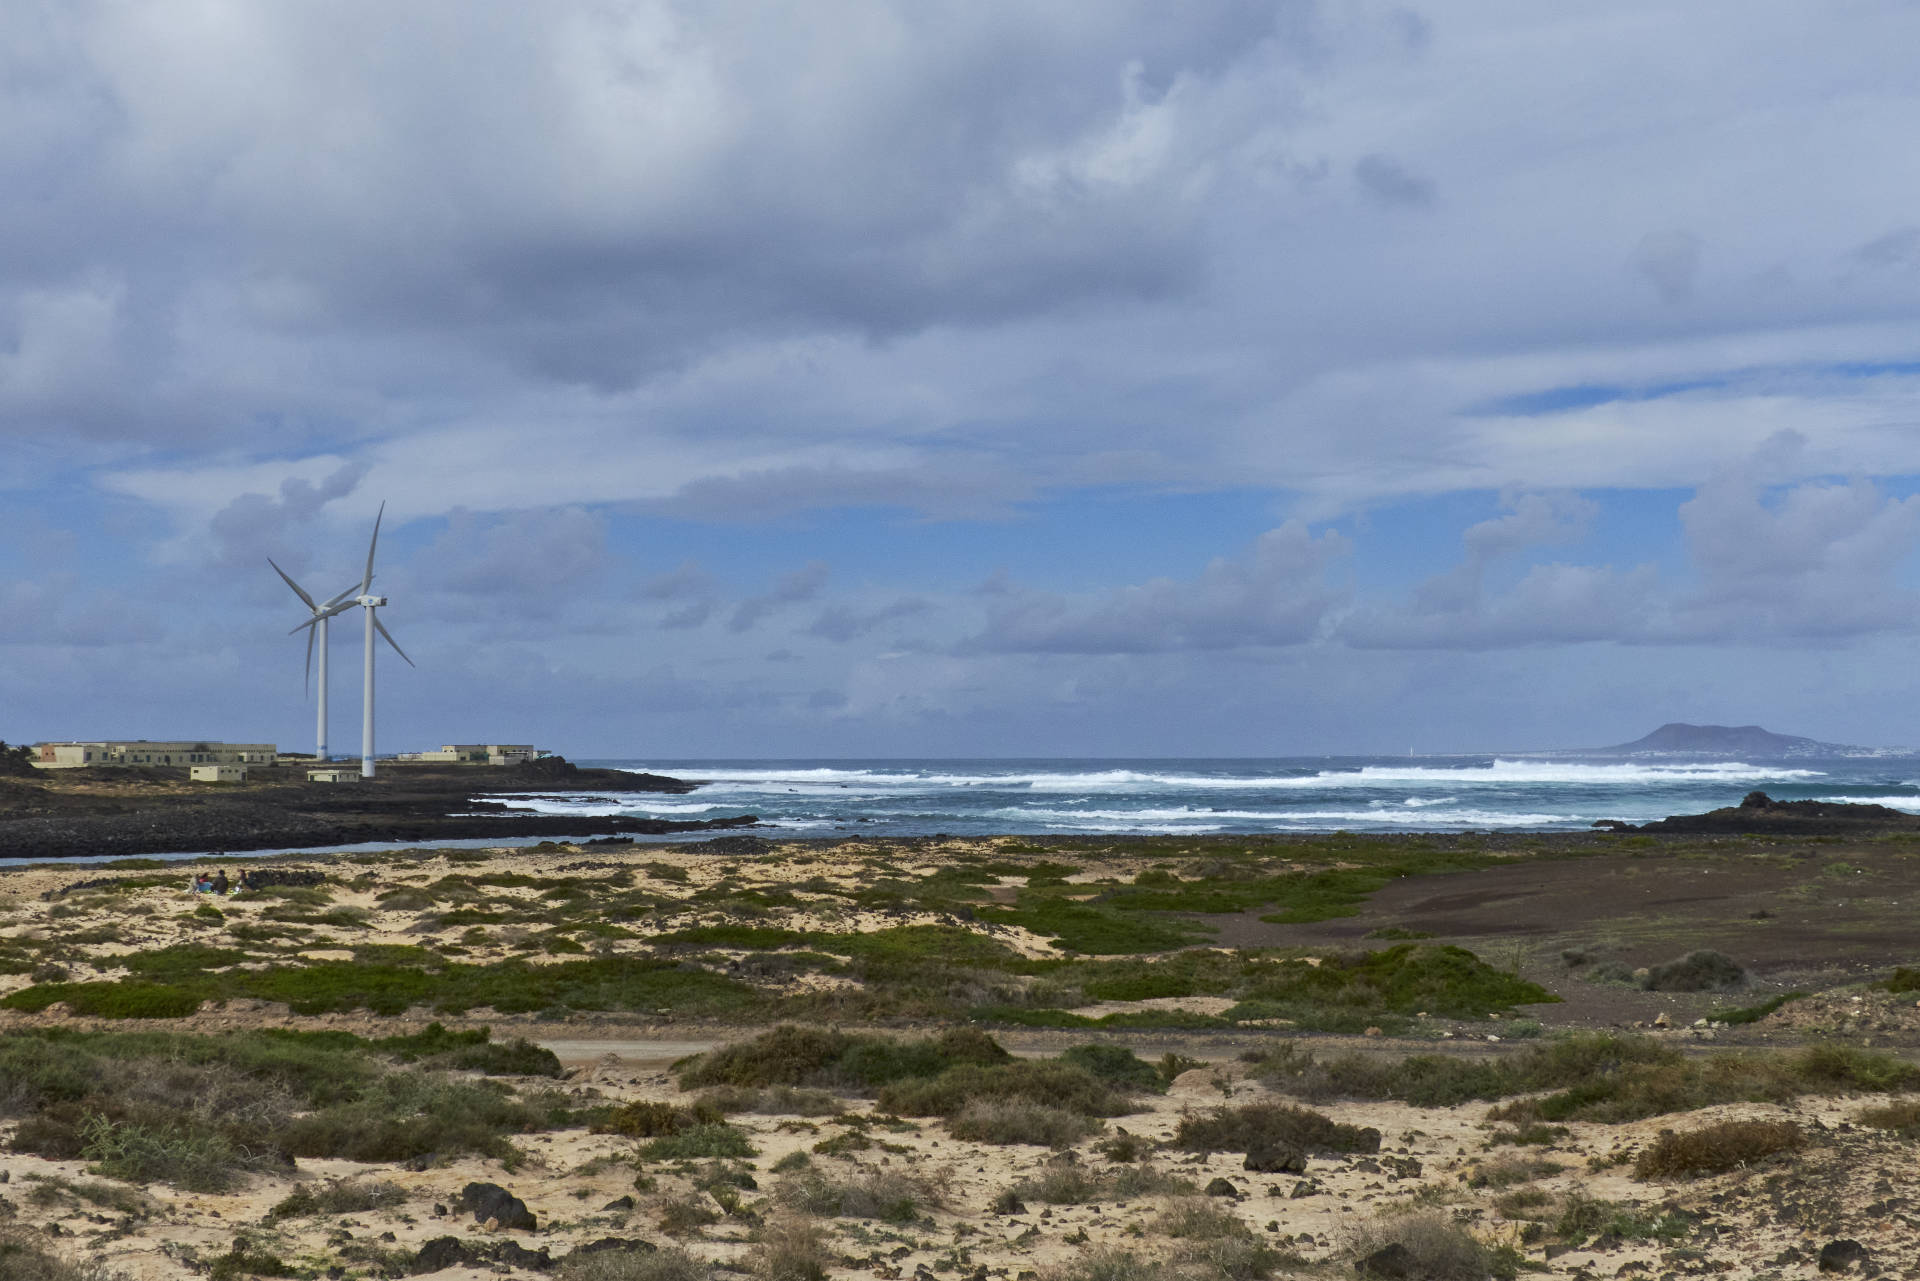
(1284, 794)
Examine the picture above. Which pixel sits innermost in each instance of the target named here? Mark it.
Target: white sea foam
(1891, 802)
(1184, 818)
(848, 782)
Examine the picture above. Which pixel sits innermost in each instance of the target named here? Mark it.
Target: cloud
(801, 585)
(524, 562)
(1276, 595)
(1817, 559)
(1390, 183)
(843, 623)
(255, 523)
(1769, 564)
(1670, 260)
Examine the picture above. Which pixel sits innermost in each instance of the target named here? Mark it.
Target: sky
(885, 378)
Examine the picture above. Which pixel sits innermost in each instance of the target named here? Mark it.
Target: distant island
(1746, 742)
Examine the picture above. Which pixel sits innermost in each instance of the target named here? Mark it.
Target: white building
(131, 752)
(477, 754)
(217, 773)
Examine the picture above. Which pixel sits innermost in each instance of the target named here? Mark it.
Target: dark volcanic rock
(1275, 1156)
(491, 1201)
(1838, 1256)
(1760, 814)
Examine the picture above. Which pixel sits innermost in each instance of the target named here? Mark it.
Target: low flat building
(333, 775)
(142, 752)
(476, 754)
(217, 773)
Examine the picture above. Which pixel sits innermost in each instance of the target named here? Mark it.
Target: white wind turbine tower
(318, 623)
(369, 602)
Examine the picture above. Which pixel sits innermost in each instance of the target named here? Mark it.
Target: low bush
(339, 1197)
(1053, 1084)
(808, 1056)
(1063, 1182)
(1003, 1121)
(1109, 1263)
(1715, 1149)
(1236, 1129)
(790, 1250)
(697, 1142)
(1200, 1219)
(869, 1193)
(1116, 1065)
(1432, 1247)
(26, 1256)
(195, 1159)
(668, 1264)
(1902, 1117)
(684, 1214)
(1704, 970)
(1505, 1171)
(643, 1119)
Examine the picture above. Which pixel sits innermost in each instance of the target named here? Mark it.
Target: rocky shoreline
(123, 813)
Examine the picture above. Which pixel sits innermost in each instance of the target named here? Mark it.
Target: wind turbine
(368, 603)
(318, 623)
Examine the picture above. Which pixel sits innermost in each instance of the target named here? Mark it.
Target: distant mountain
(1749, 742)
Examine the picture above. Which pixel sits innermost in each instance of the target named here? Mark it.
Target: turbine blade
(289, 582)
(309, 623)
(381, 627)
(353, 589)
(307, 685)
(333, 611)
(366, 582)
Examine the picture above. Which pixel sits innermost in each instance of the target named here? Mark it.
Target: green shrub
(1715, 1149)
(194, 1159)
(714, 1139)
(1115, 1064)
(810, 1056)
(1056, 1085)
(339, 1197)
(1237, 1129)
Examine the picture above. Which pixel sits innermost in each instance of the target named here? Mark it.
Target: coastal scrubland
(1220, 1058)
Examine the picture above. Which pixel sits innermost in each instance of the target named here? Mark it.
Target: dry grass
(1715, 1149)
(1437, 1248)
(790, 1250)
(1003, 1121)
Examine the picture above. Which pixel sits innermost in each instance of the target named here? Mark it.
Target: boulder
(490, 1201)
(1275, 1156)
(1838, 1256)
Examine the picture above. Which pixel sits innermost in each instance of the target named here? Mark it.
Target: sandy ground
(1771, 1220)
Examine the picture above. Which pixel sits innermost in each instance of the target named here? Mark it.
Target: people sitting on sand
(219, 885)
(245, 882)
(201, 883)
